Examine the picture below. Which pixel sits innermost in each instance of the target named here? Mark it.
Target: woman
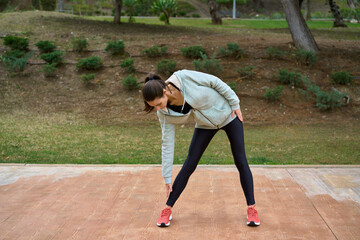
(214, 106)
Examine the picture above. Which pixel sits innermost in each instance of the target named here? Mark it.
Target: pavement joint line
(301, 187)
(159, 165)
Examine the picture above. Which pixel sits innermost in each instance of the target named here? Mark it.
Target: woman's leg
(199, 142)
(235, 133)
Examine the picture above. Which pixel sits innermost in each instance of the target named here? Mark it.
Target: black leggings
(199, 142)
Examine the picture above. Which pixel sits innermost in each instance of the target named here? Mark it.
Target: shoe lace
(165, 212)
(252, 212)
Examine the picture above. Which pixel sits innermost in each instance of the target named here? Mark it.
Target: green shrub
(79, 44)
(277, 15)
(342, 77)
(232, 50)
(52, 57)
(128, 64)
(195, 15)
(162, 17)
(45, 46)
(48, 5)
(306, 57)
(193, 52)
(16, 43)
(14, 53)
(166, 66)
(274, 52)
(87, 78)
(328, 100)
(116, 47)
(291, 78)
(130, 83)
(274, 94)
(246, 72)
(155, 51)
(211, 66)
(324, 100)
(13, 64)
(49, 70)
(90, 63)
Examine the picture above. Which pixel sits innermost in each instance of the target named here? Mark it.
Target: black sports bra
(176, 108)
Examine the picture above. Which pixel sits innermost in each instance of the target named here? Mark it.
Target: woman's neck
(174, 96)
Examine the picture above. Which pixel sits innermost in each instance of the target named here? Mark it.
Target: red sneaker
(165, 217)
(252, 217)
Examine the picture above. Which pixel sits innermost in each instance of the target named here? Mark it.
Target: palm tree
(130, 6)
(166, 7)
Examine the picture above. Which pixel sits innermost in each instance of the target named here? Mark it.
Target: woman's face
(159, 103)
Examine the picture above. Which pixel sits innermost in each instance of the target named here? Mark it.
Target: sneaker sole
(253, 224)
(163, 224)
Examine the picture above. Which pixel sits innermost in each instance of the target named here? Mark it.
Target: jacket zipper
(207, 118)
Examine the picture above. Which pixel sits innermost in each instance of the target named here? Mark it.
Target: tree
(130, 6)
(214, 8)
(118, 7)
(339, 21)
(166, 7)
(300, 32)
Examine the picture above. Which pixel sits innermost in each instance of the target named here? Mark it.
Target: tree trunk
(301, 35)
(339, 21)
(117, 15)
(258, 3)
(351, 4)
(167, 19)
(214, 7)
(300, 3)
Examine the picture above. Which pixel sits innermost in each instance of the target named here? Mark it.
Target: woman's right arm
(167, 148)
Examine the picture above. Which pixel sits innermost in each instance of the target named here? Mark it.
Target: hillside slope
(108, 102)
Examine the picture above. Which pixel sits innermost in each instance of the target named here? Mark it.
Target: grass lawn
(319, 28)
(63, 138)
(230, 23)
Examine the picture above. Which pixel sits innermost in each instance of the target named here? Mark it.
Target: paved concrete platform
(123, 202)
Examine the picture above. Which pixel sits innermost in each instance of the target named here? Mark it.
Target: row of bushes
(80, 44)
(324, 100)
(53, 58)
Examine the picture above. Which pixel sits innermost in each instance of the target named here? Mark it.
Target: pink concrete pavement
(123, 202)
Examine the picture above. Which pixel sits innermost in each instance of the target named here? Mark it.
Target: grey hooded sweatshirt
(212, 103)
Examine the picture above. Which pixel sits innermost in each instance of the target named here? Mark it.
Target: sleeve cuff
(167, 180)
(237, 106)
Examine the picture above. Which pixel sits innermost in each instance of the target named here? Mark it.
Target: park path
(124, 201)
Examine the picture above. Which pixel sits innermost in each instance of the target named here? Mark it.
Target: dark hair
(153, 88)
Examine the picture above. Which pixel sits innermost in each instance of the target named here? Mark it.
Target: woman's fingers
(168, 188)
(238, 114)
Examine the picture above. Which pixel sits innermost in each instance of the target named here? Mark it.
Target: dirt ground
(107, 102)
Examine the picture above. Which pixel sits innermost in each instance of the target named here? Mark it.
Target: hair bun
(152, 76)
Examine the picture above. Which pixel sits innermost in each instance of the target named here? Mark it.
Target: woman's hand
(168, 189)
(238, 113)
